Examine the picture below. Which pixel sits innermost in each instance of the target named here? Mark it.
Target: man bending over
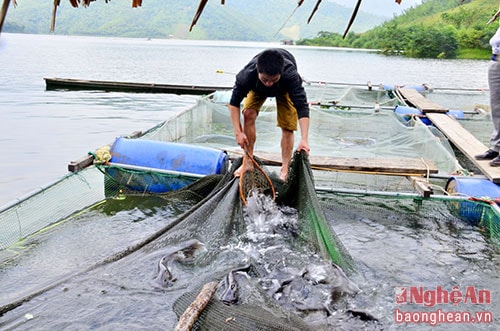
(271, 73)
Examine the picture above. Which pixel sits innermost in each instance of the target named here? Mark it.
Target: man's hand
(304, 132)
(242, 139)
(303, 146)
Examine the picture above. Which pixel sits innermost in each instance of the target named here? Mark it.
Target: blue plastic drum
(187, 163)
(456, 113)
(407, 112)
(169, 156)
(471, 187)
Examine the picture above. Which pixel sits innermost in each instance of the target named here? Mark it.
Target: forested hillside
(435, 29)
(256, 20)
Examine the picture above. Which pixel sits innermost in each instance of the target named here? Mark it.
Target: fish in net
(215, 241)
(285, 252)
(254, 180)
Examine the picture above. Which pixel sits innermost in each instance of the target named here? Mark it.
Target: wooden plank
(417, 100)
(88, 160)
(195, 309)
(387, 166)
(422, 186)
(81, 163)
(465, 142)
(82, 84)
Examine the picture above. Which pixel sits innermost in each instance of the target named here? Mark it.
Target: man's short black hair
(270, 62)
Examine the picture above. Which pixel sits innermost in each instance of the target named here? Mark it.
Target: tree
(429, 42)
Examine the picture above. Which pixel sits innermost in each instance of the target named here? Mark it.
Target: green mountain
(255, 20)
(434, 29)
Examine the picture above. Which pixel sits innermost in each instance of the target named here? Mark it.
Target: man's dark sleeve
(298, 96)
(240, 91)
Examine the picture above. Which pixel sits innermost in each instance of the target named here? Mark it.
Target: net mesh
(217, 221)
(141, 181)
(299, 192)
(115, 205)
(50, 204)
(260, 315)
(255, 181)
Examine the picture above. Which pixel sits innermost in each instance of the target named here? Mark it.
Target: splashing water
(265, 220)
(295, 277)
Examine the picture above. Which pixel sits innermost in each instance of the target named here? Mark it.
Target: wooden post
(190, 316)
(3, 13)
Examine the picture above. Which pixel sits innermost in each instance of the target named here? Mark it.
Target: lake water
(42, 131)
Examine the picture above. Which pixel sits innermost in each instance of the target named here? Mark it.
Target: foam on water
(293, 275)
(264, 219)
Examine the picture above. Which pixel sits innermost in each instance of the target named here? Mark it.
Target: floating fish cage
(344, 122)
(103, 232)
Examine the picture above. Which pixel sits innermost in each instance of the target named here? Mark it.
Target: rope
(428, 171)
(244, 189)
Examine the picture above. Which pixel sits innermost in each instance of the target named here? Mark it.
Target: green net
(299, 192)
(108, 253)
(261, 314)
(218, 221)
(479, 212)
(50, 204)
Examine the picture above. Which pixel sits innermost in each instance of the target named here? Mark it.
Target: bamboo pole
(190, 316)
(54, 13)
(3, 13)
(353, 16)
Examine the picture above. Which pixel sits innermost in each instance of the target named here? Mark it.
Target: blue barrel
(186, 162)
(419, 88)
(407, 112)
(471, 187)
(456, 113)
(169, 156)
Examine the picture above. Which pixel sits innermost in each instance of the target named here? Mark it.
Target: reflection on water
(397, 243)
(44, 130)
(394, 243)
(353, 141)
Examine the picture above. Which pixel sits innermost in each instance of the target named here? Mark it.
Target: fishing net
(218, 221)
(249, 316)
(299, 192)
(114, 255)
(215, 218)
(254, 181)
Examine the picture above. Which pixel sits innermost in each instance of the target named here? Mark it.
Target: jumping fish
(228, 288)
(185, 251)
(363, 316)
(341, 284)
(165, 277)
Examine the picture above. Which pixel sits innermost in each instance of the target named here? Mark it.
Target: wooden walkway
(385, 166)
(465, 142)
(413, 98)
(453, 130)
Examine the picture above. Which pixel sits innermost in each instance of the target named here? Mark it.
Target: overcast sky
(380, 7)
